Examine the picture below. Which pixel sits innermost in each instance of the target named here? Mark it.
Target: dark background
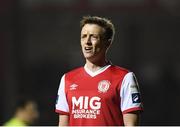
(39, 42)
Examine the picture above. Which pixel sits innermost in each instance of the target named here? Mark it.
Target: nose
(88, 40)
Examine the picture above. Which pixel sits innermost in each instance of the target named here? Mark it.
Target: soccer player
(26, 113)
(100, 93)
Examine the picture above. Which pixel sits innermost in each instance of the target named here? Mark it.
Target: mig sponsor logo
(86, 107)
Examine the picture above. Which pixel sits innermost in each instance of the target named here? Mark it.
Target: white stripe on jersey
(92, 74)
(62, 102)
(129, 92)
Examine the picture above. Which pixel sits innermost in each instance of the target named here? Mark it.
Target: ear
(109, 42)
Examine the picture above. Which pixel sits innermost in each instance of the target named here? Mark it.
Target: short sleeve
(61, 102)
(130, 94)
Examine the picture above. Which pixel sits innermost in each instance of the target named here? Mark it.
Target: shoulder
(119, 70)
(14, 122)
(77, 72)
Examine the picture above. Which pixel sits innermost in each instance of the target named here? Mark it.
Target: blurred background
(40, 41)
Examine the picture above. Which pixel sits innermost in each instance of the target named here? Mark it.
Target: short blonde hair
(103, 22)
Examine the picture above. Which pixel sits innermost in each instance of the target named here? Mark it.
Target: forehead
(92, 29)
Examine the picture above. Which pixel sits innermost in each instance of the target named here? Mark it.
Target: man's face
(92, 42)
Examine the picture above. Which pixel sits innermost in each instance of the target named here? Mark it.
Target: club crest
(103, 86)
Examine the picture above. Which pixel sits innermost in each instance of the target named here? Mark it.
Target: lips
(88, 48)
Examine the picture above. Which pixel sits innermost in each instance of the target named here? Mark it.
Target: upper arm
(61, 103)
(131, 119)
(63, 120)
(130, 94)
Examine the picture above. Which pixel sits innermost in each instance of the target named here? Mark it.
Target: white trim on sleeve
(130, 94)
(61, 103)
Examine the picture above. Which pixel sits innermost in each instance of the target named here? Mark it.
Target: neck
(94, 66)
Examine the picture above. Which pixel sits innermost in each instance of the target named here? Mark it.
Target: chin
(88, 56)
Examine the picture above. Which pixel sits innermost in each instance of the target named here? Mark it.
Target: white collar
(92, 74)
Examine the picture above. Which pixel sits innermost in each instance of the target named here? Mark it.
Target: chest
(87, 92)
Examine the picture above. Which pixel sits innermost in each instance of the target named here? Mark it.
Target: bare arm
(63, 120)
(131, 119)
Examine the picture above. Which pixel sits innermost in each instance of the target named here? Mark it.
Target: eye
(95, 37)
(83, 36)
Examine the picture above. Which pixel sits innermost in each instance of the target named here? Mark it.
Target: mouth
(87, 49)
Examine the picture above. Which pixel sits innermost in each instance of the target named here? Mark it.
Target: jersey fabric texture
(98, 98)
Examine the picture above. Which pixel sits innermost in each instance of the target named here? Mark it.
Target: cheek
(98, 49)
(81, 43)
(98, 45)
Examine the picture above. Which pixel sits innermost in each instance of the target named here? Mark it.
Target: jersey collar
(92, 74)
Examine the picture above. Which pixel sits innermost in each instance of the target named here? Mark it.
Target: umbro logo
(73, 86)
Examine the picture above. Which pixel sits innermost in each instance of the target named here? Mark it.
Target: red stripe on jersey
(132, 110)
(61, 112)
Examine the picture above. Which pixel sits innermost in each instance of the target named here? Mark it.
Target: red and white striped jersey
(98, 98)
